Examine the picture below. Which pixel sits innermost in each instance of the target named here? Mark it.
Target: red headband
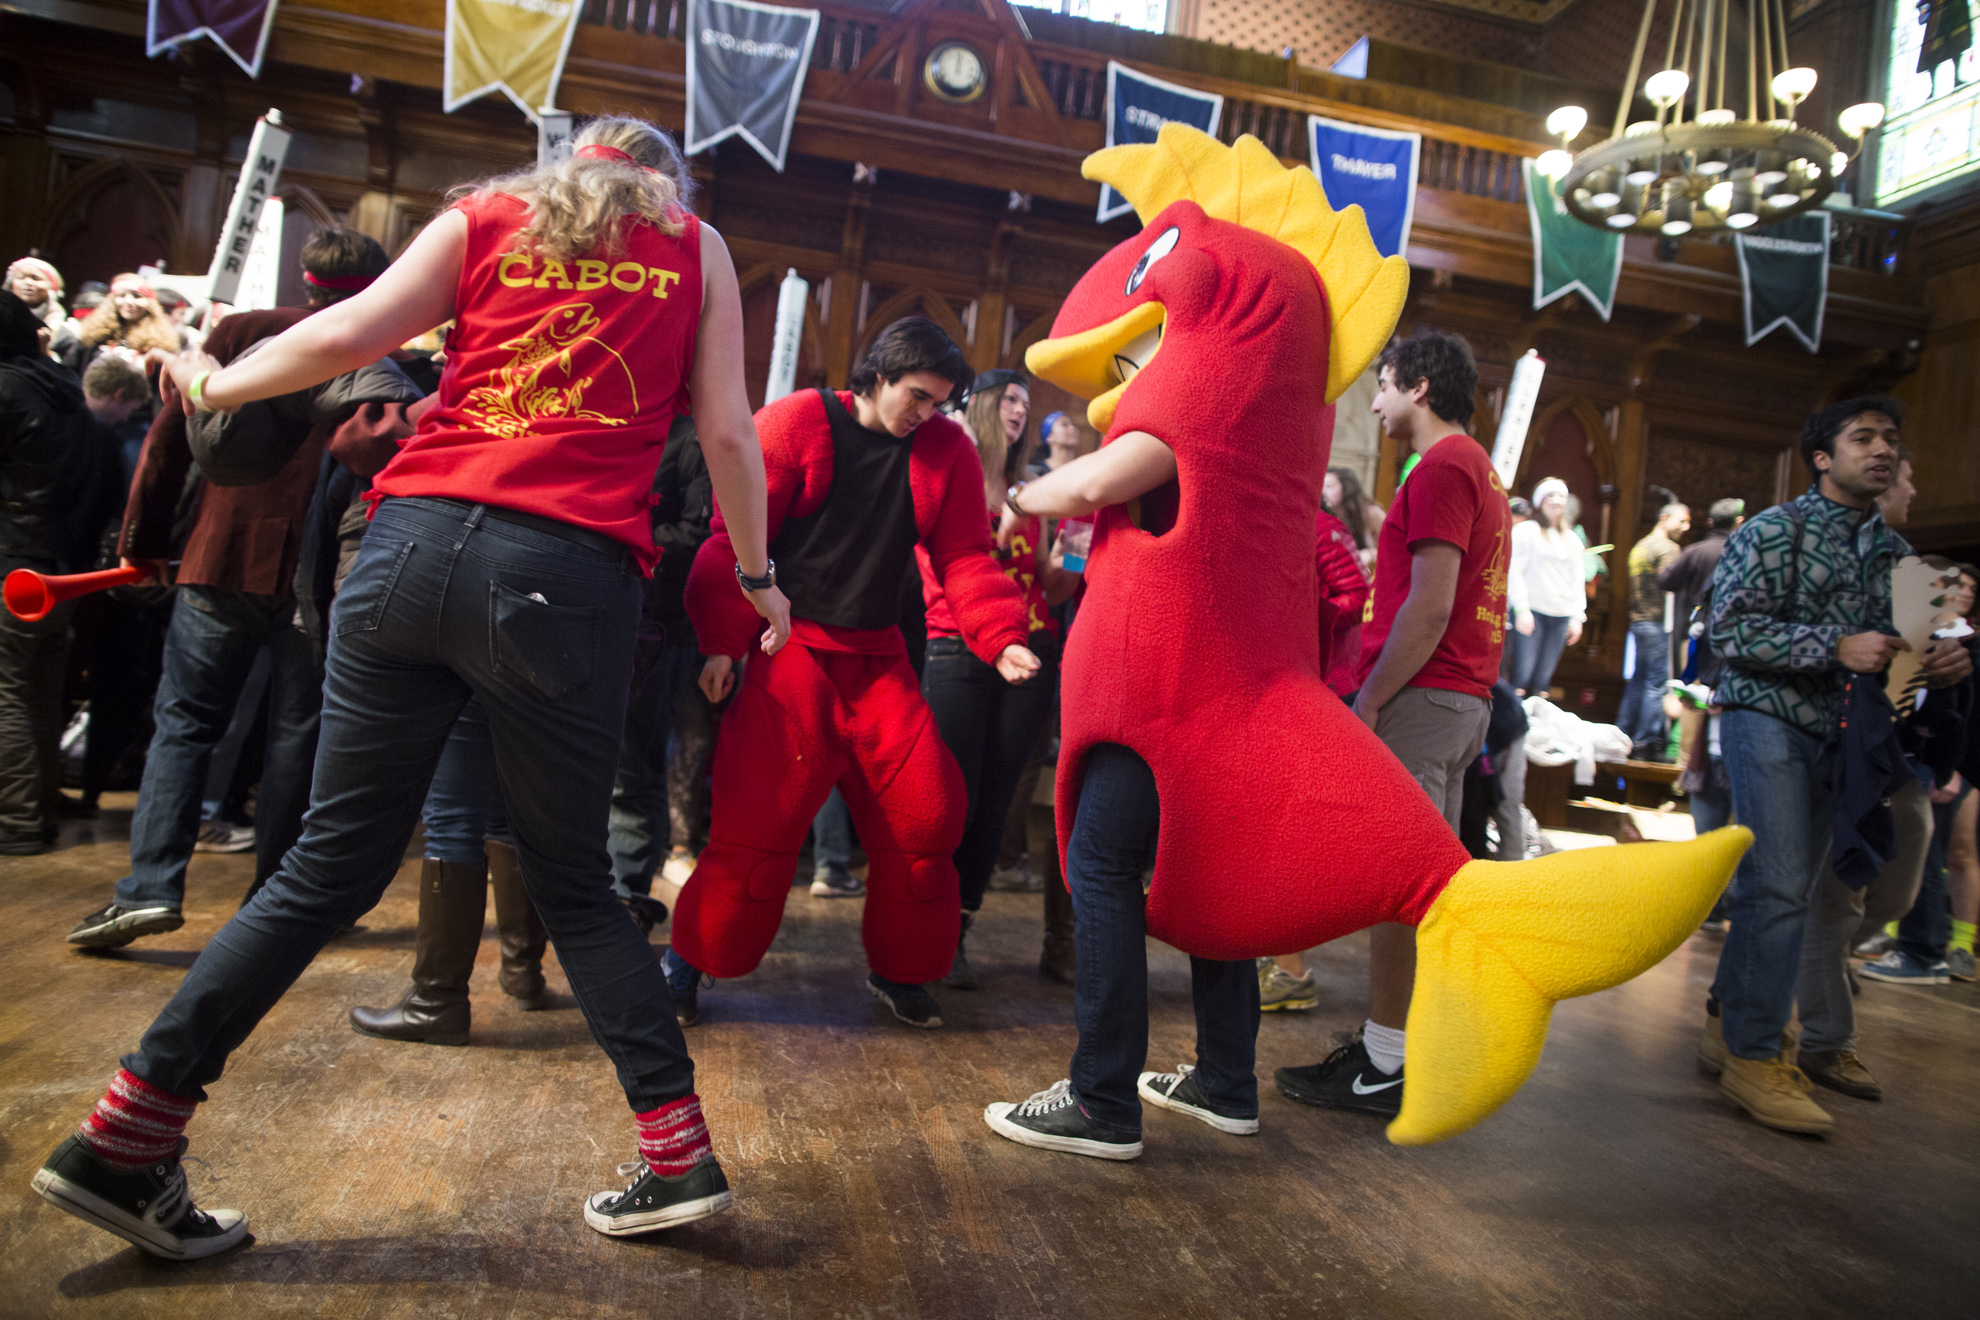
(139, 285)
(340, 283)
(594, 151)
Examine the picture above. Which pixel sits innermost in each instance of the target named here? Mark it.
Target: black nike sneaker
(149, 1206)
(652, 1202)
(1345, 1079)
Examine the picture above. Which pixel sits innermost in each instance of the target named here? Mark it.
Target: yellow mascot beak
(1098, 364)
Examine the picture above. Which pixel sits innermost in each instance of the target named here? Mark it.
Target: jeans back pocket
(552, 648)
(360, 605)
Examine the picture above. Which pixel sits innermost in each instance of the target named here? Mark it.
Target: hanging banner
(1784, 269)
(1373, 168)
(745, 73)
(234, 25)
(1521, 394)
(785, 338)
(516, 47)
(267, 149)
(1567, 254)
(1137, 107)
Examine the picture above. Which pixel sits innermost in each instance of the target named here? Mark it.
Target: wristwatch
(1011, 497)
(753, 584)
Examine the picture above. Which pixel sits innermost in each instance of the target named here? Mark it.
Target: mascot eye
(1160, 248)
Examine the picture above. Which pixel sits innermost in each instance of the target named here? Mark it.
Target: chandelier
(1702, 166)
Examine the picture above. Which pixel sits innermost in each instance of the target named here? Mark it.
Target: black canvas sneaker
(1053, 1119)
(1345, 1079)
(912, 1004)
(1177, 1091)
(149, 1206)
(684, 982)
(115, 926)
(652, 1202)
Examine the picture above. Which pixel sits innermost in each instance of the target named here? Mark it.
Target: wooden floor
(395, 1180)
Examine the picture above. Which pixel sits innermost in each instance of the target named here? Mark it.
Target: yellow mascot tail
(1505, 940)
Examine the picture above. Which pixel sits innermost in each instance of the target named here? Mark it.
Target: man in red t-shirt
(1429, 655)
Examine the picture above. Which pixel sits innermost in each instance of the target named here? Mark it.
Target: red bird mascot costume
(1250, 305)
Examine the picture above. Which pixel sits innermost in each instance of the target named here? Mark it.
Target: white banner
(790, 331)
(260, 172)
(1521, 394)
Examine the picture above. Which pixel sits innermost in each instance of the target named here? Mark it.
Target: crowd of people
(388, 588)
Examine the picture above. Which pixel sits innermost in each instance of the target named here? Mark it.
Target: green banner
(1567, 254)
(1784, 270)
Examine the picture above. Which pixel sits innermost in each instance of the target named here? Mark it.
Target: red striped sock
(135, 1123)
(674, 1138)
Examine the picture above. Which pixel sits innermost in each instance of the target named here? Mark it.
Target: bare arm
(415, 293)
(1126, 466)
(1419, 626)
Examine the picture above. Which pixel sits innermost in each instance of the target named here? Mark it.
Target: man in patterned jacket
(1800, 600)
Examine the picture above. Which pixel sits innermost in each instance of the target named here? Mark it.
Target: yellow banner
(516, 47)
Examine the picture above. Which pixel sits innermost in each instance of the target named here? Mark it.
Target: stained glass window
(1931, 133)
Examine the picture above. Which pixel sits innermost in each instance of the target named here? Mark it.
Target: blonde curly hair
(581, 205)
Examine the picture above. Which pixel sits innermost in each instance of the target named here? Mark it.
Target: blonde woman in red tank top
(503, 561)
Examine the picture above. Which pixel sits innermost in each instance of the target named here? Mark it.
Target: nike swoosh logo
(1359, 1089)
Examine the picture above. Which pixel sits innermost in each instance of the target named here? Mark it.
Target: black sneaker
(685, 984)
(833, 883)
(646, 910)
(1345, 1079)
(1055, 1120)
(149, 1206)
(652, 1202)
(115, 926)
(1177, 1091)
(912, 1004)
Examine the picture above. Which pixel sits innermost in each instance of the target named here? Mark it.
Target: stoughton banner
(515, 47)
(1137, 107)
(745, 73)
(236, 26)
(1784, 271)
(1373, 168)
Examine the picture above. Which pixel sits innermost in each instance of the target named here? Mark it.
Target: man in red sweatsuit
(855, 479)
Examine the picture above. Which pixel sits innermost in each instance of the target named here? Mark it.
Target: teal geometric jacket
(1780, 653)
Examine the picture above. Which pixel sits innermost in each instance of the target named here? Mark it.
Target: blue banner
(1373, 168)
(1138, 106)
(745, 73)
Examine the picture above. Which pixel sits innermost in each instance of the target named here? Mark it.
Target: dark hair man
(1801, 600)
(856, 479)
(1689, 578)
(236, 595)
(1642, 714)
(1429, 656)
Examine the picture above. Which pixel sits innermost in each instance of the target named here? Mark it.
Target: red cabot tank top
(562, 378)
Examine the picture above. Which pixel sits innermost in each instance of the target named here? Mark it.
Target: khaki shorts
(1436, 734)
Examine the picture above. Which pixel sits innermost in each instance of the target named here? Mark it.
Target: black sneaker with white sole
(1345, 1079)
(149, 1207)
(912, 1004)
(114, 926)
(652, 1202)
(1053, 1119)
(1178, 1091)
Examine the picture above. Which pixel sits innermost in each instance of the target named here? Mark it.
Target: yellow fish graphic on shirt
(554, 365)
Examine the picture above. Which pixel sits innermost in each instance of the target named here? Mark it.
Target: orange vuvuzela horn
(30, 595)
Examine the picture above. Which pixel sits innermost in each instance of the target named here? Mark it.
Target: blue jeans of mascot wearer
(832, 839)
(1642, 713)
(1535, 654)
(446, 603)
(1926, 930)
(464, 803)
(639, 832)
(1112, 844)
(1779, 793)
(210, 646)
(991, 727)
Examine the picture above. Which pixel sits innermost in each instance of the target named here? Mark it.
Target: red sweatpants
(803, 721)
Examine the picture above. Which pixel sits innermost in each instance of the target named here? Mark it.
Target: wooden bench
(1549, 788)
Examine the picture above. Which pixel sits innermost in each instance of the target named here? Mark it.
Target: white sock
(1384, 1045)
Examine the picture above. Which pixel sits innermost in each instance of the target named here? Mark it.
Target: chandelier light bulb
(1794, 85)
(1605, 201)
(1715, 118)
(1567, 122)
(1742, 220)
(1677, 209)
(1554, 164)
(1860, 119)
(1838, 163)
(1719, 196)
(1668, 87)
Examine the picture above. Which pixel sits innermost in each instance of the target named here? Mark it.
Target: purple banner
(239, 27)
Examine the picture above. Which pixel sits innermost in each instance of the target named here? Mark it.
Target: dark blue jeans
(443, 604)
(1779, 793)
(464, 803)
(1113, 842)
(1535, 654)
(210, 646)
(1926, 930)
(832, 838)
(639, 829)
(991, 727)
(1642, 713)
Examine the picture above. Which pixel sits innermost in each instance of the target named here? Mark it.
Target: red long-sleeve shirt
(1344, 592)
(951, 520)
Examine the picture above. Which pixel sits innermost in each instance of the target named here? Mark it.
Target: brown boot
(1775, 1092)
(520, 929)
(1058, 961)
(453, 898)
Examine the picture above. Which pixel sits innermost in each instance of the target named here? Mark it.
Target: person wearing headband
(39, 285)
(508, 540)
(129, 318)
